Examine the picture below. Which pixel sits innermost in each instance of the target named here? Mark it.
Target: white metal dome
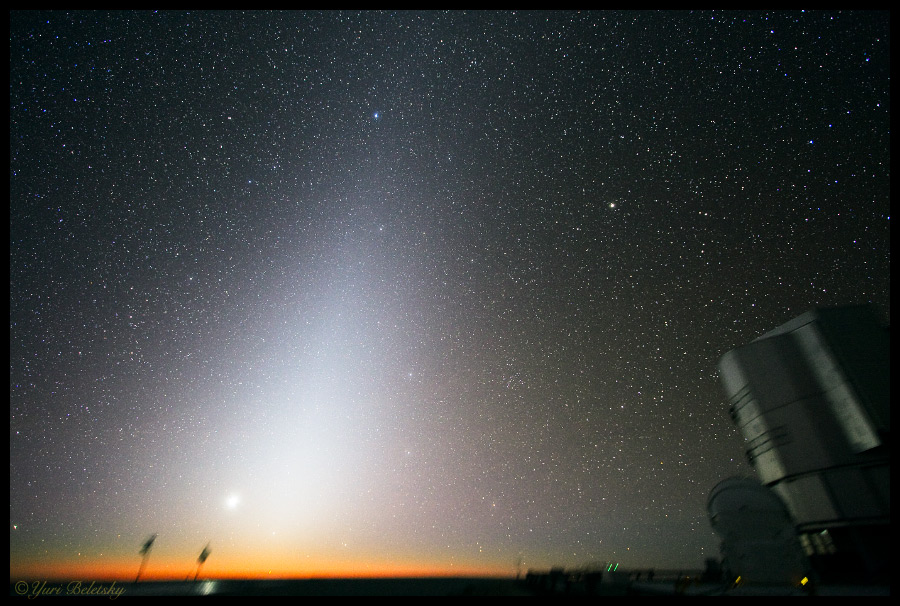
(744, 507)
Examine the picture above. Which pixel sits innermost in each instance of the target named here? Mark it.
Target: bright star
(232, 501)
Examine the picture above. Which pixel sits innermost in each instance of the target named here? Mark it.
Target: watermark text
(37, 589)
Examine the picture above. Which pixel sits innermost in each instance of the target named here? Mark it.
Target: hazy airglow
(414, 293)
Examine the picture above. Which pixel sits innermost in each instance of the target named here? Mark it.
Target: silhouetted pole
(145, 553)
(203, 555)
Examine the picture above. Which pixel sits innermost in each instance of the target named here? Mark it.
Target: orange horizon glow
(167, 571)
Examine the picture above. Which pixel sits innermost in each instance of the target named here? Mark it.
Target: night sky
(415, 293)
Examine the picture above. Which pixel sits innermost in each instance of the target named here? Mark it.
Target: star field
(387, 293)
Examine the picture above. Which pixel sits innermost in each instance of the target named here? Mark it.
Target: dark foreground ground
(400, 587)
(311, 587)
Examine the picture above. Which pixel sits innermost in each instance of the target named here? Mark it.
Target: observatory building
(811, 399)
(759, 542)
